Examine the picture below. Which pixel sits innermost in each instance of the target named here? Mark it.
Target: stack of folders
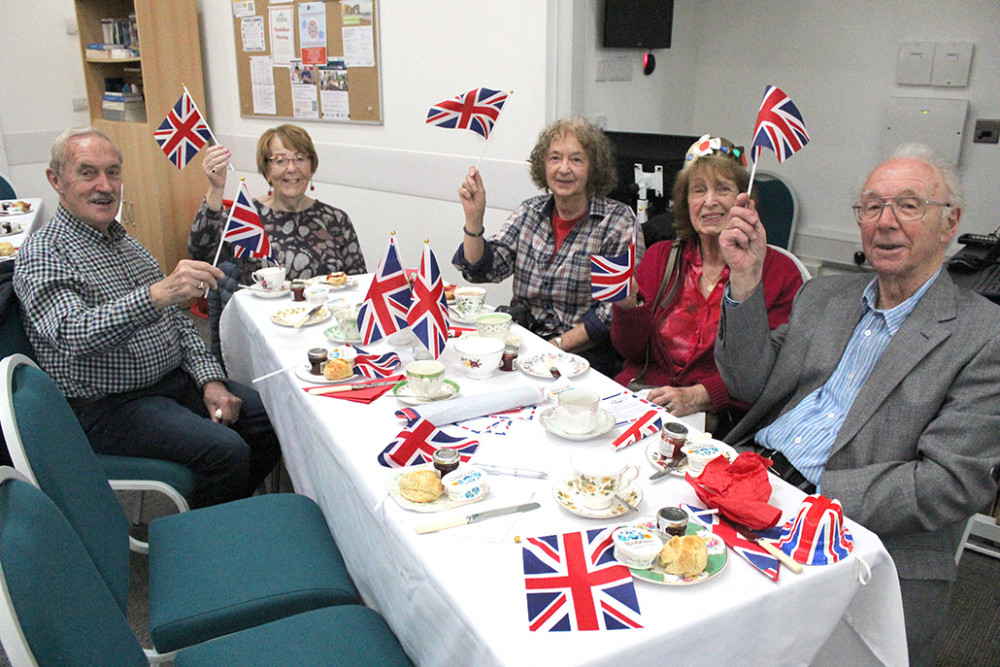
(124, 106)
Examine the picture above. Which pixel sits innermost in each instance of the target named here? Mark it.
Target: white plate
(302, 373)
(449, 390)
(15, 228)
(605, 422)
(264, 294)
(538, 364)
(454, 315)
(321, 280)
(441, 504)
(14, 211)
(289, 317)
(717, 559)
(659, 460)
(566, 495)
(334, 335)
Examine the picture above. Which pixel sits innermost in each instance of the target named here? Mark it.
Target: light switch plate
(952, 63)
(915, 63)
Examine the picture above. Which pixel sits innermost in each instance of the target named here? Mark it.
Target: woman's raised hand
(215, 164)
(472, 194)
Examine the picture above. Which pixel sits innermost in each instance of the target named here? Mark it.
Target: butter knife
(473, 518)
(305, 318)
(670, 466)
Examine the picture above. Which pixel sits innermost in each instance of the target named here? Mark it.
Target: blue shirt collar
(894, 317)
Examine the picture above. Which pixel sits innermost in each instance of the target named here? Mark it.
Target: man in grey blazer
(882, 392)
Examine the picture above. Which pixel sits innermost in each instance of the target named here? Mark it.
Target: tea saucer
(335, 335)
(455, 316)
(264, 294)
(605, 422)
(449, 389)
(566, 494)
(289, 317)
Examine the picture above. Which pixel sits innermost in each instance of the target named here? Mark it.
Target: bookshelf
(159, 202)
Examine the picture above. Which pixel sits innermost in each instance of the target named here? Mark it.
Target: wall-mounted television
(638, 24)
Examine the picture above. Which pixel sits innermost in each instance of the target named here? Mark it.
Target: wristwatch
(557, 341)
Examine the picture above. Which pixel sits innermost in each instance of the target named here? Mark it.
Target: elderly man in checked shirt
(880, 391)
(104, 323)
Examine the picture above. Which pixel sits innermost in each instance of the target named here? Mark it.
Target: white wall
(836, 60)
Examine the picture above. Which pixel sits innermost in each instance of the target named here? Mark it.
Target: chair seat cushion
(221, 569)
(174, 474)
(346, 636)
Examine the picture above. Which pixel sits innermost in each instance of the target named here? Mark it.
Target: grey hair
(58, 152)
(949, 172)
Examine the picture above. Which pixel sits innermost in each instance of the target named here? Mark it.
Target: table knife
(670, 466)
(305, 318)
(331, 389)
(752, 536)
(473, 518)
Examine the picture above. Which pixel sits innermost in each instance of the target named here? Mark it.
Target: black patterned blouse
(313, 242)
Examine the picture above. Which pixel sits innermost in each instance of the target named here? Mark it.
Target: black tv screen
(638, 24)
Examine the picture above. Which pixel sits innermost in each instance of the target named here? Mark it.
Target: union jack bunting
(384, 309)
(611, 277)
(646, 425)
(417, 442)
(753, 554)
(779, 126)
(476, 110)
(817, 535)
(244, 228)
(376, 366)
(428, 314)
(573, 582)
(183, 132)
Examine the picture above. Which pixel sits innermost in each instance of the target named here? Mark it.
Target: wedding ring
(201, 285)
(213, 170)
(218, 413)
(667, 407)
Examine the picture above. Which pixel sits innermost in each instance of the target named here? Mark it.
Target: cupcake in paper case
(817, 535)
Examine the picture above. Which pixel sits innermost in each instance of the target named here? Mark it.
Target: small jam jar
(445, 460)
(298, 290)
(672, 521)
(317, 357)
(509, 355)
(672, 438)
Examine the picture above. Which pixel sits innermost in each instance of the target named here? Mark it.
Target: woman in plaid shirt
(546, 243)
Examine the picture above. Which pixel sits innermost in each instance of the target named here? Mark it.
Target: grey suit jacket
(914, 456)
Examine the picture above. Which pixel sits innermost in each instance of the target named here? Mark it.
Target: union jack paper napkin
(416, 444)
(646, 425)
(573, 582)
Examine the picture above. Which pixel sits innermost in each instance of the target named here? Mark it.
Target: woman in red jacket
(668, 345)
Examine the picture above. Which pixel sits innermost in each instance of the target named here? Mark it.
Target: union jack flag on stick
(244, 229)
(573, 582)
(428, 313)
(376, 366)
(646, 425)
(779, 128)
(476, 110)
(417, 443)
(183, 132)
(754, 554)
(384, 309)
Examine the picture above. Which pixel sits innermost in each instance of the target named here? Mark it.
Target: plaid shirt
(557, 289)
(88, 313)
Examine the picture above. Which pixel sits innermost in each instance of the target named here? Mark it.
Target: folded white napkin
(467, 407)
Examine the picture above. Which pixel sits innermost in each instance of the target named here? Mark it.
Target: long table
(457, 597)
(27, 222)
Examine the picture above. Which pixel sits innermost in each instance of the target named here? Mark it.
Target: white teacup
(599, 477)
(270, 279)
(494, 325)
(425, 378)
(481, 355)
(469, 301)
(576, 413)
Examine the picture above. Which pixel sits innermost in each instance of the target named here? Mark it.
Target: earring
(270, 192)
(311, 187)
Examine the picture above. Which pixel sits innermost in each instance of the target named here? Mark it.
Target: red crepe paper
(364, 396)
(739, 490)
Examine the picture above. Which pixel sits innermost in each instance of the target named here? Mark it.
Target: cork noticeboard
(308, 61)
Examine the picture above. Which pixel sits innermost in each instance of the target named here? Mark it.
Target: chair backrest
(55, 609)
(48, 445)
(798, 262)
(6, 189)
(778, 208)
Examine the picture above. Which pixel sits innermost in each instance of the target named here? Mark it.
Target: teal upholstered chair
(212, 571)
(777, 207)
(55, 608)
(6, 189)
(125, 473)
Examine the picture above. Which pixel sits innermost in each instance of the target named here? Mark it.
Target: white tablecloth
(457, 597)
(23, 220)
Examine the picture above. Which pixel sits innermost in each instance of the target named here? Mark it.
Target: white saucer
(264, 294)
(454, 315)
(335, 335)
(289, 317)
(566, 495)
(303, 373)
(322, 280)
(449, 390)
(605, 422)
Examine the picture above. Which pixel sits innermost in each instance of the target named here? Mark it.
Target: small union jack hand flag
(244, 228)
(476, 110)
(611, 277)
(779, 126)
(750, 551)
(428, 314)
(417, 443)
(384, 309)
(573, 582)
(183, 132)
(646, 425)
(376, 366)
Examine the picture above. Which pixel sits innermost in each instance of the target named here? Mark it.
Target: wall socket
(987, 132)
(79, 104)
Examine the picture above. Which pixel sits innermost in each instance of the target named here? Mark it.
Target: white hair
(949, 172)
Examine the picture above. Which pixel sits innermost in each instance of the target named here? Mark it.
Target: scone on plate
(6, 249)
(338, 369)
(684, 556)
(337, 279)
(421, 486)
